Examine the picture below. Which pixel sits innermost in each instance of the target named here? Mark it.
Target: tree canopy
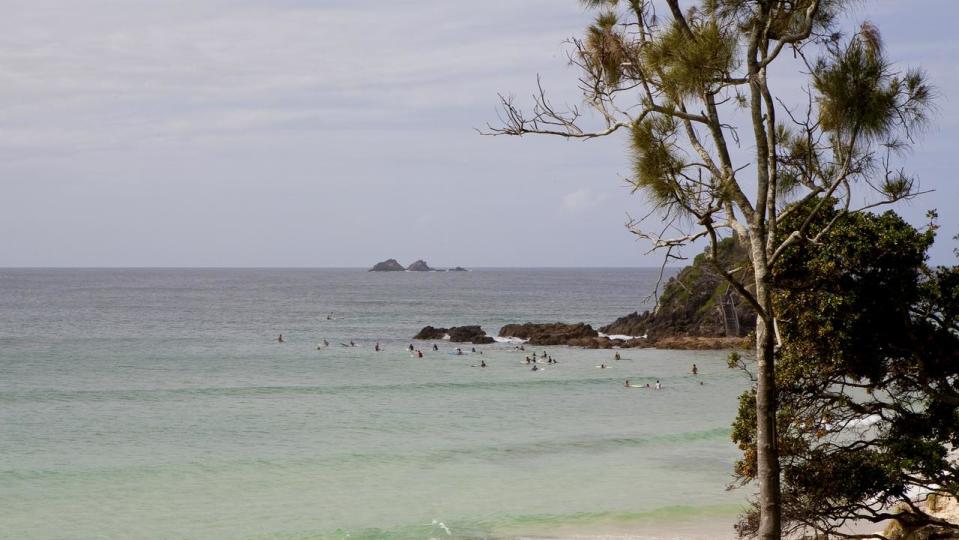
(867, 376)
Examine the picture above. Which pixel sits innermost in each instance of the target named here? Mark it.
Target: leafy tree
(868, 376)
(719, 152)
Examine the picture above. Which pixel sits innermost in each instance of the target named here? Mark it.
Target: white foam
(623, 337)
(499, 339)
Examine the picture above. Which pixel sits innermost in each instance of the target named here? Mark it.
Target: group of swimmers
(658, 386)
(530, 359)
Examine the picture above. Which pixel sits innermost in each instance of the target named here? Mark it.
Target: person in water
(616, 356)
(435, 348)
(535, 368)
(377, 347)
(419, 353)
(627, 385)
(474, 349)
(602, 366)
(279, 339)
(326, 343)
(459, 352)
(411, 347)
(482, 363)
(658, 386)
(352, 344)
(695, 370)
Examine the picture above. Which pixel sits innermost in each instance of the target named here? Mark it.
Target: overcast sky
(337, 133)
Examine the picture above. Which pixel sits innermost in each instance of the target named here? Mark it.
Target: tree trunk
(767, 457)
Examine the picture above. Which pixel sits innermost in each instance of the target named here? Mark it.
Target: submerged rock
(458, 269)
(419, 266)
(389, 265)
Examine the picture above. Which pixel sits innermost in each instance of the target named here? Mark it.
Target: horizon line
(364, 268)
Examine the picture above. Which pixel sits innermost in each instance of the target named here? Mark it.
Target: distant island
(392, 265)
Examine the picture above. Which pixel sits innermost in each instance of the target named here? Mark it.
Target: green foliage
(656, 165)
(867, 371)
(608, 48)
(691, 66)
(859, 93)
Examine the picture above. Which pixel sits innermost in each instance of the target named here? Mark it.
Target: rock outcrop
(697, 302)
(942, 507)
(578, 334)
(458, 269)
(419, 266)
(389, 265)
(458, 334)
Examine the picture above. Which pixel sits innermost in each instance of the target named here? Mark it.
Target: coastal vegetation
(719, 153)
(866, 379)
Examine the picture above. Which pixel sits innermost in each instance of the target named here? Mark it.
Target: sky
(338, 133)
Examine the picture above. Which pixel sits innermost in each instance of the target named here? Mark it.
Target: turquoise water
(157, 404)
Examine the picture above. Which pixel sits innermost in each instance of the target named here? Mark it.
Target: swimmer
(459, 352)
(535, 368)
(482, 363)
(419, 353)
(474, 349)
(279, 339)
(352, 344)
(627, 385)
(329, 317)
(326, 343)
(616, 356)
(602, 366)
(411, 347)
(658, 386)
(695, 370)
(377, 347)
(435, 348)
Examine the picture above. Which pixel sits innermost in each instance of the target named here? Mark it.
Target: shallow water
(157, 404)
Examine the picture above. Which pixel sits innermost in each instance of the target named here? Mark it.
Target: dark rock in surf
(578, 334)
(458, 269)
(389, 265)
(458, 334)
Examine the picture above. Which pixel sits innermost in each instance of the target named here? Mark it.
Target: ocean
(158, 404)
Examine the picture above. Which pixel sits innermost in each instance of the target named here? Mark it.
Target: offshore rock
(419, 266)
(389, 265)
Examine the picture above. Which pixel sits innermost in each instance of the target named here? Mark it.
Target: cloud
(581, 200)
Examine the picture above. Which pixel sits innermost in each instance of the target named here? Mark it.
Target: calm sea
(157, 404)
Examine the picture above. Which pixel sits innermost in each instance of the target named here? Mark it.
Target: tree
(867, 377)
(682, 87)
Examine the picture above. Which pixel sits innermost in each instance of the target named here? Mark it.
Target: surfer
(352, 344)
(459, 352)
(279, 339)
(602, 366)
(411, 347)
(616, 356)
(330, 316)
(474, 349)
(627, 385)
(435, 348)
(377, 347)
(535, 368)
(695, 370)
